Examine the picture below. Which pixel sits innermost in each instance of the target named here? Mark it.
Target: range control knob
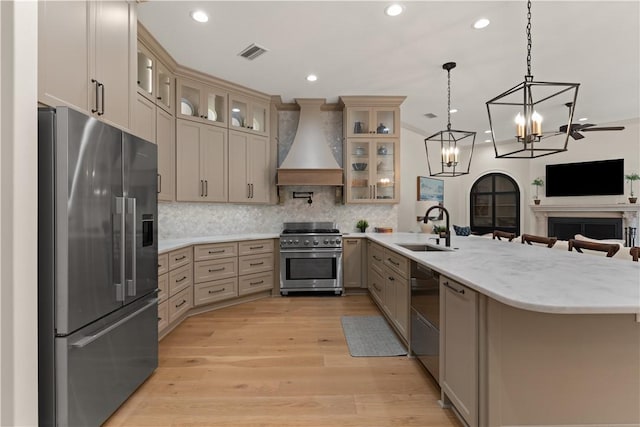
(326, 241)
(306, 243)
(338, 241)
(296, 241)
(315, 243)
(290, 241)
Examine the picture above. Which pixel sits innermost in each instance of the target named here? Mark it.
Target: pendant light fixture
(520, 111)
(447, 142)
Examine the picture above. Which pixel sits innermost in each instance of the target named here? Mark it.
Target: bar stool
(609, 248)
(530, 238)
(498, 234)
(635, 253)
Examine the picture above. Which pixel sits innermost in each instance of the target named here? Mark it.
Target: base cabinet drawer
(180, 279)
(218, 290)
(180, 257)
(163, 315)
(180, 303)
(163, 264)
(255, 247)
(250, 264)
(376, 286)
(206, 271)
(163, 286)
(215, 251)
(255, 283)
(397, 262)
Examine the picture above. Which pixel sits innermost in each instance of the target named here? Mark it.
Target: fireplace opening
(595, 228)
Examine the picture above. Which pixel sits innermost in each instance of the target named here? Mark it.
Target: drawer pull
(391, 278)
(159, 319)
(256, 283)
(377, 288)
(159, 265)
(181, 258)
(216, 269)
(453, 288)
(218, 291)
(221, 251)
(397, 264)
(184, 301)
(352, 242)
(256, 247)
(180, 280)
(376, 258)
(256, 263)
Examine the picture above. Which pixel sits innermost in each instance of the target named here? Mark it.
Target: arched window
(495, 204)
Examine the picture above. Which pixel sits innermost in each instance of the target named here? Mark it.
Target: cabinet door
(358, 170)
(165, 139)
(385, 121)
(201, 102)
(213, 163)
(352, 259)
(63, 53)
(189, 185)
(164, 87)
(258, 168)
(402, 306)
(146, 65)
(143, 123)
(239, 186)
(459, 347)
(112, 63)
(385, 174)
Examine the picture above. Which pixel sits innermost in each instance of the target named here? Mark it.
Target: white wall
(18, 214)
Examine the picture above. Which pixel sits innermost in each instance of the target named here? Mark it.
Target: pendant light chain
(529, 38)
(448, 99)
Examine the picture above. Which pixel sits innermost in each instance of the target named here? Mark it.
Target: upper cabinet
(372, 149)
(85, 57)
(248, 114)
(201, 102)
(155, 80)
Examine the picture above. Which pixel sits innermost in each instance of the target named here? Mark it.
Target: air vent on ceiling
(430, 116)
(252, 51)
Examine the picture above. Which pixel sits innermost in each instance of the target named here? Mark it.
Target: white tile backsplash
(178, 220)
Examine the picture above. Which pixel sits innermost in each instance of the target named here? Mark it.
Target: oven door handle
(311, 251)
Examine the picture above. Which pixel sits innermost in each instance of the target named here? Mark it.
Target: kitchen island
(554, 336)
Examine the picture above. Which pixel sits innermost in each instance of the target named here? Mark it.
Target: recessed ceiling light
(312, 78)
(394, 9)
(199, 16)
(583, 119)
(487, 131)
(481, 23)
(453, 110)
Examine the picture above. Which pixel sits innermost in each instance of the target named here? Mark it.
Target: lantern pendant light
(520, 109)
(448, 141)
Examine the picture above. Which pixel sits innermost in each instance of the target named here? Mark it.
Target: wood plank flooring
(280, 362)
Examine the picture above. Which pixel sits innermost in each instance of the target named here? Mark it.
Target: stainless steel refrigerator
(97, 267)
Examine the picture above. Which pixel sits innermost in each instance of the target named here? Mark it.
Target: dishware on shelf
(359, 151)
(382, 129)
(256, 125)
(382, 150)
(357, 127)
(359, 166)
(212, 115)
(186, 108)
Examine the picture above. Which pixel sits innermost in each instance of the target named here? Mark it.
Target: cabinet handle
(256, 263)
(391, 278)
(248, 191)
(256, 283)
(256, 247)
(376, 258)
(102, 100)
(201, 188)
(180, 258)
(95, 82)
(453, 288)
(184, 301)
(251, 191)
(206, 188)
(215, 269)
(159, 183)
(181, 280)
(159, 98)
(352, 242)
(221, 251)
(397, 264)
(377, 288)
(218, 291)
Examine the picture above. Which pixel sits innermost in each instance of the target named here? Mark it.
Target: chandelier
(448, 141)
(522, 106)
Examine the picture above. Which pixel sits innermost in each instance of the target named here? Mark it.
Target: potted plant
(440, 230)
(362, 225)
(632, 177)
(538, 182)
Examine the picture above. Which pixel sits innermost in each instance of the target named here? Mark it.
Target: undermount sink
(421, 247)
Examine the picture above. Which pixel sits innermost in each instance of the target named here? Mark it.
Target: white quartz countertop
(166, 245)
(528, 277)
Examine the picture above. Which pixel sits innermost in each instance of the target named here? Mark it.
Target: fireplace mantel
(628, 212)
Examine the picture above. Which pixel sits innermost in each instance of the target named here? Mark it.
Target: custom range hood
(310, 161)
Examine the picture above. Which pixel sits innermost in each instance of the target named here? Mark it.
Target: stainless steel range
(310, 257)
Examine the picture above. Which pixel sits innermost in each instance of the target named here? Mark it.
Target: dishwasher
(425, 317)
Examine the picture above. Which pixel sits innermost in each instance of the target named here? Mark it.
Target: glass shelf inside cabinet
(190, 102)
(238, 114)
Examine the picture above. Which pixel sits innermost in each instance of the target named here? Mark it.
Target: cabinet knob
(159, 98)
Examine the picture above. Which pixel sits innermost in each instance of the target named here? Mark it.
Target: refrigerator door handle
(120, 286)
(85, 341)
(131, 283)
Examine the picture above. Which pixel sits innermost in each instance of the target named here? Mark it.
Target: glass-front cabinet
(372, 170)
(201, 102)
(155, 81)
(363, 121)
(164, 87)
(146, 66)
(248, 114)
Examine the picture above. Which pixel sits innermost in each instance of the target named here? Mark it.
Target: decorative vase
(426, 228)
(536, 201)
(633, 199)
(362, 229)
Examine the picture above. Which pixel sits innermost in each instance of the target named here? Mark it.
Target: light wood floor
(280, 362)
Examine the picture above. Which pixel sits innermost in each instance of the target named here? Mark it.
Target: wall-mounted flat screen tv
(599, 178)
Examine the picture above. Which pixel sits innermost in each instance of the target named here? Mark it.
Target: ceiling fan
(576, 128)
